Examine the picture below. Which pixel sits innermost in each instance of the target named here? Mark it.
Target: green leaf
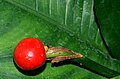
(69, 24)
(108, 14)
(117, 77)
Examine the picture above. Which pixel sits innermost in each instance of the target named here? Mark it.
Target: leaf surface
(108, 14)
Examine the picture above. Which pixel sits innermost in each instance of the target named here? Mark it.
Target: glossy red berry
(29, 54)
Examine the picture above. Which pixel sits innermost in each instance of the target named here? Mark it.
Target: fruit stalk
(57, 54)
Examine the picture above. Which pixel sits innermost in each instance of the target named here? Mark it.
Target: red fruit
(29, 54)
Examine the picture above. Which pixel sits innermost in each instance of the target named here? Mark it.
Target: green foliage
(66, 23)
(108, 14)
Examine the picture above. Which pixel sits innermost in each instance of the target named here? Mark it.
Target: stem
(57, 54)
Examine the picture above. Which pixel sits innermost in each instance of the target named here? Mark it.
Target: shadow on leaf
(31, 72)
(81, 65)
